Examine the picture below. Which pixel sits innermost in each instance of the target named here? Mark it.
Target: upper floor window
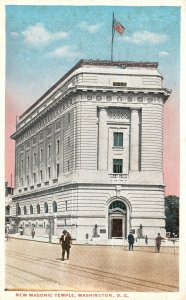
(31, 210)
(22, 164)
(54, 204)
(34, 158)
(38, 209)
(48, 172)
(46, 207)
(118, 139)
(41, 175)
(57, 170)
(28, 161)
(41, 154)
(49, 150)
(27, 178)
(68, 118)
(34, 177)
(57, 146)
(25, 210)
(117, 165)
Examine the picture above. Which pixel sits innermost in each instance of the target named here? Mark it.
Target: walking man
(66, 242)
(131, 241)
(158, 240)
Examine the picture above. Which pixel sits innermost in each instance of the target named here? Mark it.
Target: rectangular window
(117, 165)
(22, 164)
(66, 206)
(68, 165)
(21, 181)
(119, 84)
(28, 161)
(118, 139)
(34, 177)
(57, 170)
(57, 146)
(68, 118)
(41, 154)
(27, 180)
(48, 172)
(34, 158)
(41, 175)
(49, 150)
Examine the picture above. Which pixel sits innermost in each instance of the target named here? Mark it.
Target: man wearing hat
(131, 240)
(66, 242)
(158, 240)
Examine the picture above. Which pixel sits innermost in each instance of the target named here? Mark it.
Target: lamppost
(50, 230)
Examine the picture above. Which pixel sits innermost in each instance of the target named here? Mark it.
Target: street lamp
(50, 230)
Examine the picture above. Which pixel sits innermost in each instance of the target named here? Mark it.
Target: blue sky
(44, 42)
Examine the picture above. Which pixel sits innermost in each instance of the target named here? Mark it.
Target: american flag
(118, 27)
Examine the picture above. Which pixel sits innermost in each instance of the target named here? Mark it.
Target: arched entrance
(117, 219)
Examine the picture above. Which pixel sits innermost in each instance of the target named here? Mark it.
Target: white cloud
(37, 35)
(88, 27)
(14, 34)
(163, 53)
(64, 51)
(146, 37)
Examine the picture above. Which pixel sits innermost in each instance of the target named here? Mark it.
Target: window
(46, 208)
(68, 118)
(66, 206)
(41, 155)
(48, 172)
(118, 139)
(31, 210)
(117, 204)
(18, 210)
(68, 165)
(117, 165)
(57, 146)
(119, 84)
(34, 158)
(34, 177)
(57, 170)
(28, 161)
(21, 181)
(38, 209)
(41, 175)
(27, 180)
(22, 164)
(49, 150)
(54, 204)
(25, 210)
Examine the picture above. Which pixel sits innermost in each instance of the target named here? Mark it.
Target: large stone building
(89, 154)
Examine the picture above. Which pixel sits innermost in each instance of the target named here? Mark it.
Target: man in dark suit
(66, 242)
(131, 240)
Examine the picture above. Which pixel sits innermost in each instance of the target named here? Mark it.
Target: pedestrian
(66, 242)
(158, 240)
(146, 240)
(33, 233)
(7, 236)
(131, 240)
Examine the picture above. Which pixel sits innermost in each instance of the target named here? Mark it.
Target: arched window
(38, 209)
(46, 208)
(54, 204)
(117, 204)
(31, 210)
(25, 210)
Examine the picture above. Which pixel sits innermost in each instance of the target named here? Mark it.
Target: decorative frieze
(119, 113)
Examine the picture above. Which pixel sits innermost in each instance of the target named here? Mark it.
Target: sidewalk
(93, 242)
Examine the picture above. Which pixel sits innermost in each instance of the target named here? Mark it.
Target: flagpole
(112, 38)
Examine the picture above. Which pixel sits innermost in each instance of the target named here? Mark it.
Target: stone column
(134, 140)
(103, 139)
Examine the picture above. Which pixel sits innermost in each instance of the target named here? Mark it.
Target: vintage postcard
(92, 185)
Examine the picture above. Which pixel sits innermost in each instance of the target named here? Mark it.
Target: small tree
(172, 214)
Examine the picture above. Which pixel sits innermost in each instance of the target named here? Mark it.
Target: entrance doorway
(117, 228)
(117, 219)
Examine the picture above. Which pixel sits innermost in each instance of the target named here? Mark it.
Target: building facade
(89, 154)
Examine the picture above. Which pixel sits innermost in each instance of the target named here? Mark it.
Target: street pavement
(31, 265)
